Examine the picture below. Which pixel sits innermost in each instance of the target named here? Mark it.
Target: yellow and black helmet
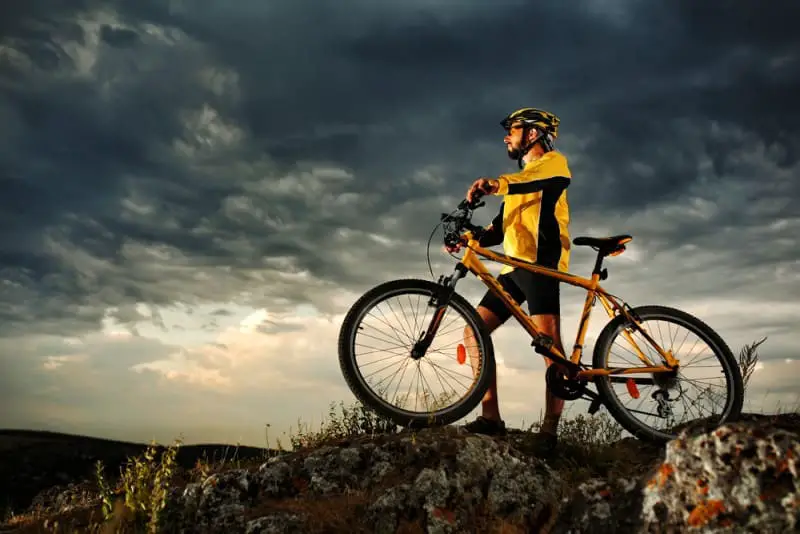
(542, 120)
(545, 124)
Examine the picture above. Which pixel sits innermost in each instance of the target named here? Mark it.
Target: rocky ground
(39, 468)
(740, 478)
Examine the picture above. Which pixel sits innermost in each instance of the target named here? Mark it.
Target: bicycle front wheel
(708, 374)
(375, 355)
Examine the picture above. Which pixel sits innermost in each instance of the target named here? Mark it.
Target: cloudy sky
(193, 192)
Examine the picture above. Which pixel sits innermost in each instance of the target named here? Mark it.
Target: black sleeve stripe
(556, 183)
(498, 219)
(494, 236)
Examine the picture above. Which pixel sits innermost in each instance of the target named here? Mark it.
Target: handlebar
(458, 221)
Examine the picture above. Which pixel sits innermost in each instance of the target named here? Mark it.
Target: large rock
(436, 477)
(740, 478)
(600, 506)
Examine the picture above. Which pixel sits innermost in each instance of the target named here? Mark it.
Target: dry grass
(748, 358)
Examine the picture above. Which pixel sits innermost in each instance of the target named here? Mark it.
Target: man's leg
(550, 324)
(494, 313)
(489, 406)
(544, 306)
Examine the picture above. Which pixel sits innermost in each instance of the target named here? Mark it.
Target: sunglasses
(509, 129)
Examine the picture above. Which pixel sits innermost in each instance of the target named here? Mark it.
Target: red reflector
(461, 354)
(632, 388)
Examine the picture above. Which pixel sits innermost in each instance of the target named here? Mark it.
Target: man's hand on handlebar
(457, 247)
(481, 187)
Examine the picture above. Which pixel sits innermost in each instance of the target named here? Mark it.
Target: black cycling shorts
(541, 292)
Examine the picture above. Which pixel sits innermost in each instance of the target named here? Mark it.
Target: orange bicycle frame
(472, 262)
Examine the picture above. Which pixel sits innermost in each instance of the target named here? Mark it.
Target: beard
(513, 152)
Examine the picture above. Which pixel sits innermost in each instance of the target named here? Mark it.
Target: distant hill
(33, 460)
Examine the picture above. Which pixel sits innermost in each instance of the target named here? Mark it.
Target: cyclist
(532, 225)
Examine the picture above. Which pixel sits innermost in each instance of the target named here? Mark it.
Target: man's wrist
(500, 186)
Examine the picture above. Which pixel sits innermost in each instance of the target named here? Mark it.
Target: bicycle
(568, 376)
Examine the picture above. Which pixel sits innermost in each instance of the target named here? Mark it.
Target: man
(532, 225)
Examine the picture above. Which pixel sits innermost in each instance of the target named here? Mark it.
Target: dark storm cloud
(328, 125)
(628, 79)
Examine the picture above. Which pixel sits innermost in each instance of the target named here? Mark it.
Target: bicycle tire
(361, 390)
(734, 383)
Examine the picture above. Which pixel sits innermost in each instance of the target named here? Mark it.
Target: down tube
(477, 268)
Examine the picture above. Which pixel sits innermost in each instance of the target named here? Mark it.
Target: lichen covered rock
(438, 477)
(63, 498)
(740, 478)
(600, 506)
(480, 474)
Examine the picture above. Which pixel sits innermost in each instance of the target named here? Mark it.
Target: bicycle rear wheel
(465, 360)
(667, 392)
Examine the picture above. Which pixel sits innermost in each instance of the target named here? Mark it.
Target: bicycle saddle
(602, 242)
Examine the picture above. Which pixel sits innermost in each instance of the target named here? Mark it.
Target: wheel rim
(704, 372)
(389, 354)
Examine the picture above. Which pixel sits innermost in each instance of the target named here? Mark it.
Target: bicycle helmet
(544, 122)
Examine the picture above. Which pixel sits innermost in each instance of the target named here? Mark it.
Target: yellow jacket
(535, 212)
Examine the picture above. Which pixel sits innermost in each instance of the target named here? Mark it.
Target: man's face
(513, 140)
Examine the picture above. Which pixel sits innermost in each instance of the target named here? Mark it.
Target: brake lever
(465, 204)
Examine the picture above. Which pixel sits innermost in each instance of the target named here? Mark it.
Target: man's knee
(547, 321)
(490, 318)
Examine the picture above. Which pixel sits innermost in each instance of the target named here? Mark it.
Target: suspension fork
(439, 300)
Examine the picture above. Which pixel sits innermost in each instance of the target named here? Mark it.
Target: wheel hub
(666, 381)
(419, 349)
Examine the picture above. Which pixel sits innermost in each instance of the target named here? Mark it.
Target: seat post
(598, 262)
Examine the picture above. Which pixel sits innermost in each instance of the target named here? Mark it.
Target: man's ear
(532, 133)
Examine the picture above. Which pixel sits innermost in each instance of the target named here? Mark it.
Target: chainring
(562, 386)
